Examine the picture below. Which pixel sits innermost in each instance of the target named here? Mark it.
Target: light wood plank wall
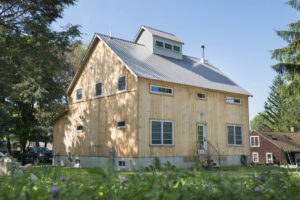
(99, 116)
(185, 110)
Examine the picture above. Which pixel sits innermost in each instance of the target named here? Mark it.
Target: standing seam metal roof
(189, 71)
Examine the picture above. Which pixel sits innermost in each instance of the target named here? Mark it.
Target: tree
(289, 56)
(259, 123)
(32, 57)
(275, 107)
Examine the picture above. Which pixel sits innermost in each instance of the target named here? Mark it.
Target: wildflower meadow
(150, 183)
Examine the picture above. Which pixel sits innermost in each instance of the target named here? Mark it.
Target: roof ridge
(158, 30)
(120, 39)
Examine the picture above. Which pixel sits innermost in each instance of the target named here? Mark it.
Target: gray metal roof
(189, 71)
(159, 33)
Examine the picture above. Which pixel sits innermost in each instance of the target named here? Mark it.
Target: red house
(275, 147)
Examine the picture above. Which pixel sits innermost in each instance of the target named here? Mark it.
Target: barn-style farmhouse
(132, 101)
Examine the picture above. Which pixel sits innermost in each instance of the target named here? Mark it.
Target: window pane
(98, 89)
(79, 94)
(230, 133)
(168, 46)
(156, 132)
(238, 135)
(159, 44)
(167, 132)
(229, 100)
(122, 83)
(121, 123)
(154, 88)
(256, 141)
(176, 48)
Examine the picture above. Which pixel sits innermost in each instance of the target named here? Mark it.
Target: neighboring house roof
(158, 33)
(284, 140)
(188, 71)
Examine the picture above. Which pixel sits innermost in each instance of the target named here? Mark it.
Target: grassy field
(240, 182)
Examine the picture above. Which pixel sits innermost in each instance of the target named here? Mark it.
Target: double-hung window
(254, 141)
(255, 157)
(78, 94)
(122, 83)
(98, 89)
(234, 135)
(269, 158)
(162, 132)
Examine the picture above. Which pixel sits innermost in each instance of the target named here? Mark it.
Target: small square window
(269, 158)
(79, 94)
(168, 46)
(176, 48)
(121, 124)
(254, 141)
(122, 163)
(159, 44)
(79, 128)
(201, 95)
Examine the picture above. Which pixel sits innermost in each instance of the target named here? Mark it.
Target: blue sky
(238, 34)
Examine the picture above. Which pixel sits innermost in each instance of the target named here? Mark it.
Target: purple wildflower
(123, 169)
(266, 172)
(258, 189)
(192, 173)
(55, 190)
(207, 186)
(124, 180)
(63, 179)
(151, 174)
(169, 173)
(137, 174)
(73, 183)
(261, 178)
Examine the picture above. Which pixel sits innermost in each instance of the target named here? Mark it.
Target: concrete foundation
(132, 164)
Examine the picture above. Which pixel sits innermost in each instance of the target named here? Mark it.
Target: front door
(201, 139)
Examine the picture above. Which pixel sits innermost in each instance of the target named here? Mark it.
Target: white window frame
(255, 136)
(81, 94)
(121, 126)
(269, 153)
(101, 89)
(234, 125)
(161, 92)
(255, 153)
(159, 46)
(200, 93)
(162, 135)
(125, 83)
(233, 98)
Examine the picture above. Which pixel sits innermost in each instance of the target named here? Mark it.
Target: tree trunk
(8, 144)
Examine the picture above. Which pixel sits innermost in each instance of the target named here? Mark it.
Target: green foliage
(157, 163)
(282, 108)
(105, 183)
(33, 62)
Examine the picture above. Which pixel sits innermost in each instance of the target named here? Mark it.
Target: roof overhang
(59, 115)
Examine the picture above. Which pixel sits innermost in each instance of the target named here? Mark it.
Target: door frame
(204, 136)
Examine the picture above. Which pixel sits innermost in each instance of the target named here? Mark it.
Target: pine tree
(289, 56)
(275, 107)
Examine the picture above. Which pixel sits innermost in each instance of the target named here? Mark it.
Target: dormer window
(168, 46)
(159, 44)
(176, 48)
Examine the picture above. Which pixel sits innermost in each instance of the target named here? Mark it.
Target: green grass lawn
(239, 182)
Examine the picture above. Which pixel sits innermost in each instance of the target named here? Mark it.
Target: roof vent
(273, 137)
